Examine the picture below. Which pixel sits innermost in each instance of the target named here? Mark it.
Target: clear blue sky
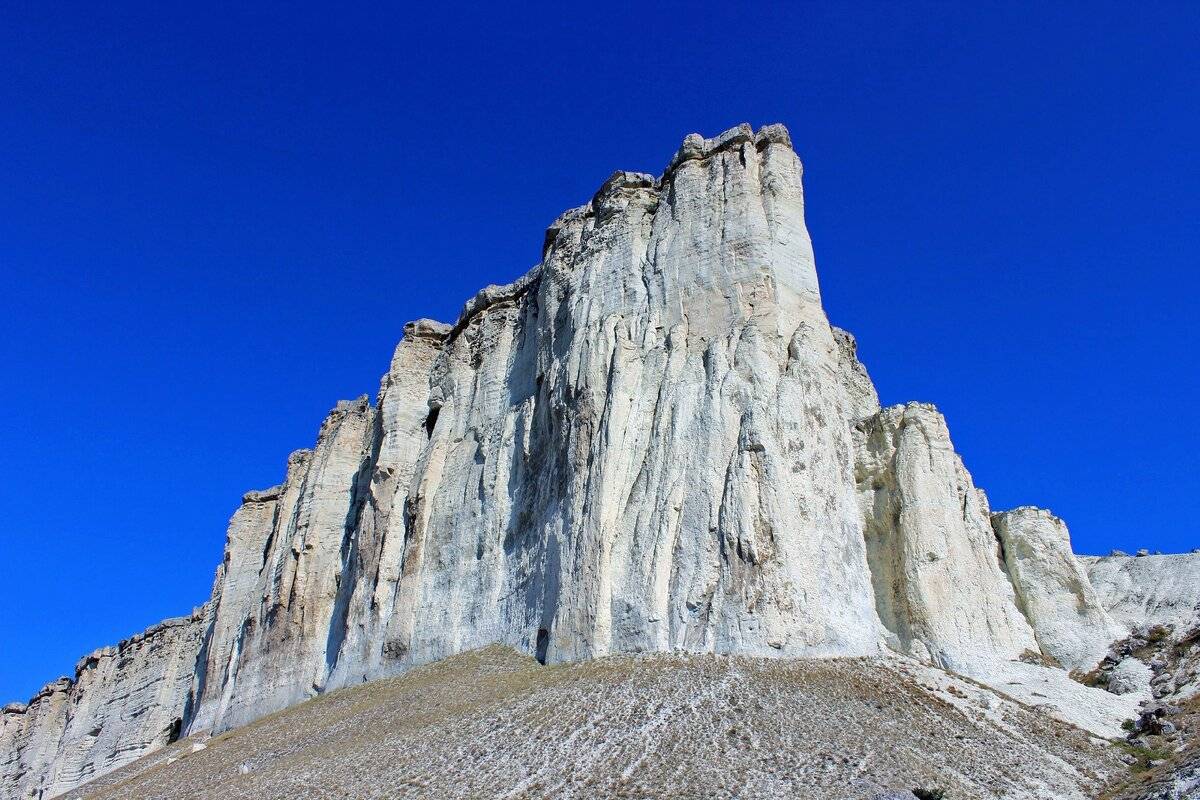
(214, 224)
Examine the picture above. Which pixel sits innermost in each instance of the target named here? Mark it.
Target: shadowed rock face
(653, 441)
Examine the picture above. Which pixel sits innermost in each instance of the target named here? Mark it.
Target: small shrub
(1143, 755)
(929, 794)
(1158, 633)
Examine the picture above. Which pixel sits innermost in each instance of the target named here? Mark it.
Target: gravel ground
(494, 724)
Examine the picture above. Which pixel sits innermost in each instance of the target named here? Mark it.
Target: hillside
(492, 724)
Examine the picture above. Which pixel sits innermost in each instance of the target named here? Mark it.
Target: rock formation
(940, 584)
(1053, 590)
(1147, 590)
(123, 701)
(653, 441)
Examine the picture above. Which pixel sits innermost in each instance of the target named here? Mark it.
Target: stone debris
(494, 723)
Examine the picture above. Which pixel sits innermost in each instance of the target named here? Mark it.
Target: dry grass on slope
(494, 724)
(1166, 766)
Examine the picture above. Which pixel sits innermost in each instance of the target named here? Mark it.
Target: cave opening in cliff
(431, 420)
(543, 644)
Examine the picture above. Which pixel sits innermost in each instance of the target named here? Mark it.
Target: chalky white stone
(123, 701)
(1053, 589)
(1147, 590)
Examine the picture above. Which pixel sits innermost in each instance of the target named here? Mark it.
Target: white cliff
(123, 702)
(1147, 589)
(641, 445)
(653, 441)
(1053, 590)
(940, 585)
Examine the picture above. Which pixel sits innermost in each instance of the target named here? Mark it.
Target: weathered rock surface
(123, 702)
(640, 445)
(1164, 743)
(652, 441)
(1147, 590)
(1053, 589)
(940, 584)
(1129, 676)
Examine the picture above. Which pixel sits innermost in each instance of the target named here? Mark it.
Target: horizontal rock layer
(652, 441)
(123, 702)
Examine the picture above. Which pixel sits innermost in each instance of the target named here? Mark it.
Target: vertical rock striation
(940, 585)
(643, 444)
(123, 702)
(1053, 589)
(652, 441)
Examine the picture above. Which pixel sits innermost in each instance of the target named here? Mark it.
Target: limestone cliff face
(123, 702)
(1053, 590)
(1148, 589)
(641, 445)
(652, 441)
(940, 584)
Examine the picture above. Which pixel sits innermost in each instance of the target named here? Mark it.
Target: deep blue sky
(214, 225)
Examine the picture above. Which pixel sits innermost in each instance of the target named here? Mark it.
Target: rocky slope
(492, 724)
(653, 441)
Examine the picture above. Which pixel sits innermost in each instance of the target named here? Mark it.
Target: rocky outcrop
(284, 635)
(312, 567)
(1053, 589)
(640, 445)
(940, 586)
(30, 739)
(1147, 590)
(652, 441)
(123, 702)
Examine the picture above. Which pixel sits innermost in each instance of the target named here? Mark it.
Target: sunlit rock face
(941, 587)
(652, 441)
(1053, 589)
(643, 444)
(1147, 589)
(123, 702)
